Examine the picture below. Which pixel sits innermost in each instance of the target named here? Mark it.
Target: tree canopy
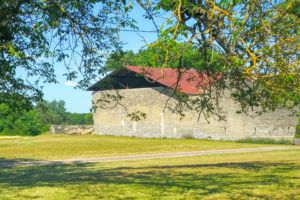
(35, 34)
(163, 55)
(255, 42)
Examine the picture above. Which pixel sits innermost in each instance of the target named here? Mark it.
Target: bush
(20, 123)
(79, 119)
(39, 118)
(264, 141)
(297, 135)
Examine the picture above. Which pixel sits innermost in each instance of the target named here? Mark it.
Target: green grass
(47, 147)
(268, 175)
(265, 175)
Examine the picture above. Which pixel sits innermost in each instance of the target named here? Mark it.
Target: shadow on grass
(14, 162)
(202, 179)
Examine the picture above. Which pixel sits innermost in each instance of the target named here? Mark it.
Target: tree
(258, 41)
(80, 118)
(163, 55)
(38, 119)
(53, 112)
(16, 122)
(35, 34)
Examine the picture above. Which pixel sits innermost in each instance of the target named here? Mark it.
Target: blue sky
(80, 101)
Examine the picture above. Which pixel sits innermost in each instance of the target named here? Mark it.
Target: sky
(80, 101)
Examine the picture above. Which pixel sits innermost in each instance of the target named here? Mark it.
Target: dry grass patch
(47, 147)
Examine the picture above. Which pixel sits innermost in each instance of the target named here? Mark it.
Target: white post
(162, 124)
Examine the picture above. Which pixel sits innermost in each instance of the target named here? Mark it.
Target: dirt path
(13, 163)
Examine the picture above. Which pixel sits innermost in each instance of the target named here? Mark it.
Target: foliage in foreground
(36, 34)
(38, 119)
(257, 40)
(155, 56)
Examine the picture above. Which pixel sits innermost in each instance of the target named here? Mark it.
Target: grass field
(268, 175)
(265, 175)
(56, 147)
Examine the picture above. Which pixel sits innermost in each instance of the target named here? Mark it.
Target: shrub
(79, 119)
(25, 123)
(39, 118)
(297, 135)
(264, 141)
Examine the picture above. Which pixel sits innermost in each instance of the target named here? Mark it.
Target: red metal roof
(190, 82)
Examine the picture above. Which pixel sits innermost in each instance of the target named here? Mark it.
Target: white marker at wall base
(162, 124)
(134, 126)
(175, 132)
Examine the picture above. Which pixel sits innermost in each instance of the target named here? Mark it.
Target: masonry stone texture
(72, 129)
(160, 123)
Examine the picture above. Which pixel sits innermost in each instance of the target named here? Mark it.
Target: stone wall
(159, 124)
(72, 129)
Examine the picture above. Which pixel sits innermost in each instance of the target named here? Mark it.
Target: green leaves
(78, 34)
(253, 43)
(168, 53)
(38, 119)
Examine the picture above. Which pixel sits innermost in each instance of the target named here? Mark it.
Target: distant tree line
(38, 118)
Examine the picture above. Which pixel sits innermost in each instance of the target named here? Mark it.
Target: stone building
(148, 89)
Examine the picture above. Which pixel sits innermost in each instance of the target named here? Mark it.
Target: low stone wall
(72, 129)
(296, 141)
